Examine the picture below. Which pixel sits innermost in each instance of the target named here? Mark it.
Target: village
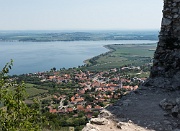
(90, 92)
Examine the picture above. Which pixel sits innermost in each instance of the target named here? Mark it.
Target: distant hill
(45, 36)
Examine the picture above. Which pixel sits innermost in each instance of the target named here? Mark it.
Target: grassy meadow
(121, 55)
(33, 91)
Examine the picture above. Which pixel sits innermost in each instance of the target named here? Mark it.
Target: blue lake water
(31, 57)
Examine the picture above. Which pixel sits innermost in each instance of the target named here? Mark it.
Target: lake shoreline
(54, 54)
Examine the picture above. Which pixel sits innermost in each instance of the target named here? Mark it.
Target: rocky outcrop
(90, 127)
(149, 107)
(99, 121)
(171, 106)
(165, 72)
(111, 124)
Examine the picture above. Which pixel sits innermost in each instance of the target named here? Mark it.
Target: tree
(53, 69)
(65, 102)
(15, 114)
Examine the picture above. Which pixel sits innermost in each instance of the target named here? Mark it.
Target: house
(53, 110)
(97, 107)
(88, 107)
(69, 109)
(80, 108)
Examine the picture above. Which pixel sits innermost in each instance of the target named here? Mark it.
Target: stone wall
(165, 71)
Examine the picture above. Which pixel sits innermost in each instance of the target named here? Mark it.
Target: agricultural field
(32, 90)
(122, 55)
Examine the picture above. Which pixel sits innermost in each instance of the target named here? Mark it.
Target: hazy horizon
(84, 30)
(80, 15)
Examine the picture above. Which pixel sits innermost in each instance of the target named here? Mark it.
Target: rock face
(151, 108)
(172, 106)
(165, 71)
(99, 121)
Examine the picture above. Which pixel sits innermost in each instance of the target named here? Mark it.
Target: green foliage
(16, 115)
(32, 91)
(95, 114)
(57, 122)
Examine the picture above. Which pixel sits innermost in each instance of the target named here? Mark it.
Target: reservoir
(31, 57)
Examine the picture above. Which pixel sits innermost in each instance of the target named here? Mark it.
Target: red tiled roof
(80, 107)
(53, 111)
(88, 107)
(69, 109)
(52, 77)
(87, 110)
(97, 107)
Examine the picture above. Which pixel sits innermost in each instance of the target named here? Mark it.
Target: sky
(80, 14)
